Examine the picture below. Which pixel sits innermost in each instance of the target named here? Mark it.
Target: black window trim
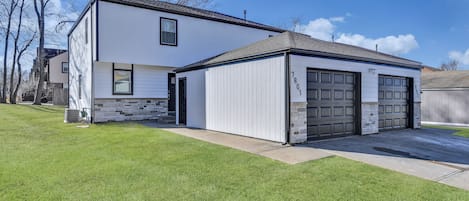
(161, 30)
(86, 30)
(63, 67)
(80, 82)
(131, 81)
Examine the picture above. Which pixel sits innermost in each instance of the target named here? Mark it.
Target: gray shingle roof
(445, 79)
(194, 12)
(296, 42)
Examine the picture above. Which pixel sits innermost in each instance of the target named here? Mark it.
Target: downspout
(92, 64)
(287, 98)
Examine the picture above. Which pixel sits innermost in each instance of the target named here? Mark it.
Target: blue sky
(429, 31)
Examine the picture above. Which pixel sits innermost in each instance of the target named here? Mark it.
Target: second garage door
(393, 97)
(331, 104)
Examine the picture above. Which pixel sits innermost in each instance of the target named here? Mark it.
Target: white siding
(132, 35)
(247, 98)
(149, 81)
(80, 63)
(369, 73)
(195, 98)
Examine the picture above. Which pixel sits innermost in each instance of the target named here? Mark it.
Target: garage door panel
(331, 104)
(393, 94)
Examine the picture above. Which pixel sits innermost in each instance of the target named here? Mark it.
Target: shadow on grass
(48, 109)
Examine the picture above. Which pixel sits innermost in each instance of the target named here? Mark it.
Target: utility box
(71, 116)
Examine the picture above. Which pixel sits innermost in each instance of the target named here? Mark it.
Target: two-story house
(233, 75)
(123, 53)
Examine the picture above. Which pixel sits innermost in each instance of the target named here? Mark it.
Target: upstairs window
(64, 67)
(168, 31)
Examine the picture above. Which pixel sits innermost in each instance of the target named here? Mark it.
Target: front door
(172, 92)
(182, 100)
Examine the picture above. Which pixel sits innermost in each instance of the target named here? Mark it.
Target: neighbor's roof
(300, 43)
(194, 12)
(445, 79)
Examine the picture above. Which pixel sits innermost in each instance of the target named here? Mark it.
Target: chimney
(245, 13)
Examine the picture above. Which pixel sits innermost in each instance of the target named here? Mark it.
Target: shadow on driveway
(426, 144)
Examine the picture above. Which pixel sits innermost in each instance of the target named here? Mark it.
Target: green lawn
(41, 158)
(460, 131)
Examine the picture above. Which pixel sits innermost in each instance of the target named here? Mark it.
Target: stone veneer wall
(370, 118)
(106, 110)
(298, 122)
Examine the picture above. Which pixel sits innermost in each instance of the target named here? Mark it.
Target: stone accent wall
(370, 118)
(107, 110)
(417, 114)
(298, 122)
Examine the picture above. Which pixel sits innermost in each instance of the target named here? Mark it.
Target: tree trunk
(40, 61)
(3, 99)
(13, 90)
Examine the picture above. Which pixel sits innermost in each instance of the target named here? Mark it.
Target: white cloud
(400, 44)
(337, 19)
(320, 28)
(462, 57)
(324, 29)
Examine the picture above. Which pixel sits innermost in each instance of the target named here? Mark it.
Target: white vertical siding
(195, 98)
(247, 98)
(369, 73)
(80, 63)
(129, 34)
(149, 81)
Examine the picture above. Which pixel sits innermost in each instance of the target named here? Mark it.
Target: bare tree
(15, 51)
(21, 52)
(192, 3)
(450, 65)
(39, 8)
(9, 10)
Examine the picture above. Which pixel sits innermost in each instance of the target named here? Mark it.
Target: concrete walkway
(276, 151)
(453, 174)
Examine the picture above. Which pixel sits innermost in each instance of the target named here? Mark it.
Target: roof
(445, 79)
(194, 12)
(304, 44)
(431, 69)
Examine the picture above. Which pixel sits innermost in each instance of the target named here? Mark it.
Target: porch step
(167, 119)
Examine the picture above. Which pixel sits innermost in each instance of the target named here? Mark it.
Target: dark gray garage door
(393, 97)
(331, 104)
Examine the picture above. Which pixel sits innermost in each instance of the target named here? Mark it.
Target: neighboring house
(445, 97)
(292, 88)
(50, 52)
(123, 52)
(57, 78)
(429, 69)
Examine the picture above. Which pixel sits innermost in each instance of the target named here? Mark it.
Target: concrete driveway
(432, 154)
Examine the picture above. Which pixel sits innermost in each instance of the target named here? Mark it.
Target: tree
(15, 51)
(39, 8)
(450, 65)
(9, 10)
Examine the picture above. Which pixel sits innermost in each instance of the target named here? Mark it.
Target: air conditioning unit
(71, 116)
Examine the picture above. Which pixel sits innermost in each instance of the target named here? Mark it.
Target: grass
(460, 131)
(42, 158)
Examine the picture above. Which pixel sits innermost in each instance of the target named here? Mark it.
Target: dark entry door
(182, 101)
(332, 109)
(172, 91)
(393, 98)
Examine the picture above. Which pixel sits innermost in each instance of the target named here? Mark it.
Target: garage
(292, 88)
(331, 110)
(393, 97)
